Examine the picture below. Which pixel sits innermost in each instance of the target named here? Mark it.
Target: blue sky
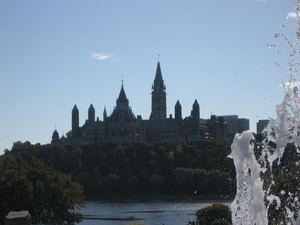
(54, 54)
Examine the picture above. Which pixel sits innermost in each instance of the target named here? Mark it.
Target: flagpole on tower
(158, 57)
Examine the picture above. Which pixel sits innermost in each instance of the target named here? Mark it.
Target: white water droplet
(270, 45)
(276, 35)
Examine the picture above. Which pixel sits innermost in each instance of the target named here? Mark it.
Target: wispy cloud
(100, 56)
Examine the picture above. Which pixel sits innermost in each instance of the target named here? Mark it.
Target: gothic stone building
(123, 126)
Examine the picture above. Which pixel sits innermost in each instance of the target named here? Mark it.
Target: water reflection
(150, 213)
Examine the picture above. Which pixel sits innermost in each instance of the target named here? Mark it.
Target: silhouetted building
(261, 125)
(123, 126)
(243, 125)
(159, 102)
(234, 125)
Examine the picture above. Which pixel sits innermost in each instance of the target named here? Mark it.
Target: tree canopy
(216, 214)
(141, 169)
(49, 196)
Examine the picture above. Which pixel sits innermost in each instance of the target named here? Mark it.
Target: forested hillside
(140, 169)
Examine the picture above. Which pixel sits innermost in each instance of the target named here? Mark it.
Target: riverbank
(187, 198)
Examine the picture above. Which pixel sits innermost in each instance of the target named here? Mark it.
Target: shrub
(216, 214)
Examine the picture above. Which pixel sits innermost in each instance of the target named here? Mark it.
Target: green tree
(157, 183)
(200, 180)
(49, 196)
(184, 167)
(184, 180)
(215, 214)
(111, 183)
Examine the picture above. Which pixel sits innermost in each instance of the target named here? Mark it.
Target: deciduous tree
(49, 196)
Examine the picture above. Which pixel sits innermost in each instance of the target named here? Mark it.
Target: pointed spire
(122, 97)
(75, 109)
(158, 75)
(158, 105)
(196, 104)
(104, 114)
(178, 113)
(158, 85)
(75, 121)
(196, 112)
(55, 137)
(91, 114)
(91, 107)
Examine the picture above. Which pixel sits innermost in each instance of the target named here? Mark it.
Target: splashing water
(248, 204)
(257, 176)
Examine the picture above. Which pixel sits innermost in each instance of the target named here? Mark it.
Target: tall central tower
(159, 106)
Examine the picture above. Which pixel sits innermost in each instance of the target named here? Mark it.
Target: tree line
(140, 169)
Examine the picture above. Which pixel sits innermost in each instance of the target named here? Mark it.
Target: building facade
(235, 125)
(261, 125)
(123, 126)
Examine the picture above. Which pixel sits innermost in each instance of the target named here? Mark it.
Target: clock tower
(159, 106)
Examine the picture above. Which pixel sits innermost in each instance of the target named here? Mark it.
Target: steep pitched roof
(158, 75)
(158, 85)
(122, 97)
(122, 112)
(91, 108)
(178, 104)
(196, 103)
(75, 109)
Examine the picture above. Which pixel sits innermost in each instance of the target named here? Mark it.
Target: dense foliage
(286, 186)
(49, 196)
(281, 180)
(216, 214)
(141, 169)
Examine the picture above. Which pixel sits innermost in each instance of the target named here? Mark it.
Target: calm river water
(149, 213)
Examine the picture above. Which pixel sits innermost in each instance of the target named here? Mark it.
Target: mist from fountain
(255, 196)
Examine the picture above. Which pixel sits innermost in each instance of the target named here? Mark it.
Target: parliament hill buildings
(123, 126)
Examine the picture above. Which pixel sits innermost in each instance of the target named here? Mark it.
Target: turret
(91, 114)
(91, 117)
(178, 112)
(75, 121)
(55, 137)
(196, 112)
(104, 114)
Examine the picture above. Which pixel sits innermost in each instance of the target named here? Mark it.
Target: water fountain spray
(257, 181)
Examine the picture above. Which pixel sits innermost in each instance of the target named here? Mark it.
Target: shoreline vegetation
(188, 198)
(134, 170)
